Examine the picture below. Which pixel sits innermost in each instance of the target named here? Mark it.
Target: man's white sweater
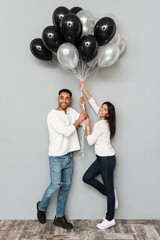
(62, 133)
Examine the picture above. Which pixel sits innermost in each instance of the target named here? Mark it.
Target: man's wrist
(77, 122)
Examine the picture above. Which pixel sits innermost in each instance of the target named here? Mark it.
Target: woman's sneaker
(106, 224)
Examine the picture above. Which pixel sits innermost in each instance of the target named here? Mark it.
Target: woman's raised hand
(82, 85)
(86, 93)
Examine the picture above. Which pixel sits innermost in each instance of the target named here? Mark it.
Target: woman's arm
(92, 138)
(87, 124)
(86, 93)
(90, 98)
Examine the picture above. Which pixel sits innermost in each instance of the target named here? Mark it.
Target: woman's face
(103, 112)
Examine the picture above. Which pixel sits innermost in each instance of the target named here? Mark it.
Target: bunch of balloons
(80, 42)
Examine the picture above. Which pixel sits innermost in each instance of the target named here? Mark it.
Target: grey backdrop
(29, 91)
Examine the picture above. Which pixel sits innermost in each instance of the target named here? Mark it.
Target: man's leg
(55, 177)
(60, 219)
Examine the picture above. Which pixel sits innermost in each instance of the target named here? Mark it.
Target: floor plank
(83, 230)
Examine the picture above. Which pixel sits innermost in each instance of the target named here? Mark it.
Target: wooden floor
(83, 230)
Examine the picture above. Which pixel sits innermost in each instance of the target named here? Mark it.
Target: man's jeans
(104, 166)
(60, 175)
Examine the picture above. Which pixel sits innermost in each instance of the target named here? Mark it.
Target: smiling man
(62, 123)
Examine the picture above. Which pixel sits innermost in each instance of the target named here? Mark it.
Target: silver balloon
(96, 19)
(108, 55)
(93, 63)
(68, 55)
(87, 21)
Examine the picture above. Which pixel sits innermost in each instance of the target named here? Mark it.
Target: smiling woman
(105, 162)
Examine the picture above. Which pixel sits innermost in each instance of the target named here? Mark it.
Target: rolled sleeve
(94, 105)
(91, 139)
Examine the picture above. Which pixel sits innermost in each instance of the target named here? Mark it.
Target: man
(62, 123)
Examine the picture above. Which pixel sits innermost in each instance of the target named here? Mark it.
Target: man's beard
(63, 107)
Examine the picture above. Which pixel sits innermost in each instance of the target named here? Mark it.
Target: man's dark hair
(65, 90)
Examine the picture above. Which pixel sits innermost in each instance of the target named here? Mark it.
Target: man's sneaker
(116, 199)
(106, 224)
(41, 215)
(62, 222)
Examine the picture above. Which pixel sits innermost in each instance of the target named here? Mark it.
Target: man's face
(64, 100)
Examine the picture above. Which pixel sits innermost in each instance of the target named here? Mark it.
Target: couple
(62, 123)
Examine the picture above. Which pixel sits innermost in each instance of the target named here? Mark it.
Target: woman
(103, 131)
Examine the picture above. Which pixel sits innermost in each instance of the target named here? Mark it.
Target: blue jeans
(105, 167)
(60, 176)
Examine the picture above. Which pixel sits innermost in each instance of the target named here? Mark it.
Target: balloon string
(82, 134)
(82, 96)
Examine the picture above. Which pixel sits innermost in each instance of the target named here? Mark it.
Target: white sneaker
(106, 224)
(116, 199)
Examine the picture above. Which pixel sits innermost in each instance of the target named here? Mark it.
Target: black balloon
(58, 15)
(71, 27)
(75, 10)
(39, 50)
(52, 38)
(104, 30)
(88, 47)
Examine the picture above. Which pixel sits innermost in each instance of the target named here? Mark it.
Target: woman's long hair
(112, 118)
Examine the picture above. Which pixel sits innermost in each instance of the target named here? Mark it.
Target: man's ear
(71, 99)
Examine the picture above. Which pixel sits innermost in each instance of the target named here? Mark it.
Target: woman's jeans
(60, 176)
(105, 167)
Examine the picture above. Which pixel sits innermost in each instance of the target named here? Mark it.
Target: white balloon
(117, 38)
(122, 46)
(108, 55)
(68, 55)
(87, 20)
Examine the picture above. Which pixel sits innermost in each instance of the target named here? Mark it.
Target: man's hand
(82, 102)
(81, 118)
(83, 115)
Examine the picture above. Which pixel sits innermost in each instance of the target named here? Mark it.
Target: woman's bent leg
(91, 173)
